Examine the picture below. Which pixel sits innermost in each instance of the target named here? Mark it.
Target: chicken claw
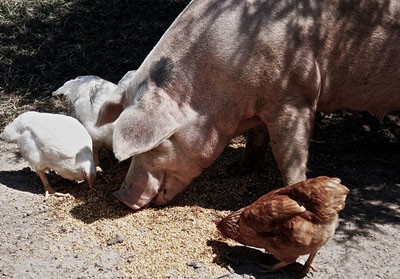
(49, 191)
(307, 265)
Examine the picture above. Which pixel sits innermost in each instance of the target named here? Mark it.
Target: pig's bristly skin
(224, 67)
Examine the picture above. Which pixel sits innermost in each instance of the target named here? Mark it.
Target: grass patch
(46, 42)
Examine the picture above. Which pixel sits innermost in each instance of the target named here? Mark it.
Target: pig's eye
(164, 191)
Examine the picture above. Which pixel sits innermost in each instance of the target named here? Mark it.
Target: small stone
(366, 128)
(170, 274)
(195, 264)
(99, 267)
(62, 230)
(118, 238)
(230, 269)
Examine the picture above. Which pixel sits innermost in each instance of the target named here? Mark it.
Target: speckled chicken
(87, 94)
(291, 221)
(53, 142)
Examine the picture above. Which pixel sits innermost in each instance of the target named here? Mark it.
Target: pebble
(227, 275)
(118, 238)
(170, 274)
(130, 259)
(230, 269)
(195, 264)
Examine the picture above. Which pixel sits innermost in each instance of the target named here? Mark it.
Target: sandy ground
(67, 237)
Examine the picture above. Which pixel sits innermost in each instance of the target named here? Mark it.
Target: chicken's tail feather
(57, 92)
(11, 132)
(66, 93)
(328, 195)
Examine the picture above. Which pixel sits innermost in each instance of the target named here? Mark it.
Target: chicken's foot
(307, 264)
(48, 189)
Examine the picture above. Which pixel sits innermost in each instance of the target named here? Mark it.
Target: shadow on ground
(245, 260)
(22, 180)
(88, 209)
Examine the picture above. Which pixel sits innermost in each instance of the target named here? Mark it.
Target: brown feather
(290, 221)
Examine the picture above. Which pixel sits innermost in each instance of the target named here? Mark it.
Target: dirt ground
(72, 237)
(92, 235)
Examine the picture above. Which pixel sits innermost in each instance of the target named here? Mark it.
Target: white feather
(87, 94)
(126, 79)
(53, 142)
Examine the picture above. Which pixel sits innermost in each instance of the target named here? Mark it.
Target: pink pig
(266, 66)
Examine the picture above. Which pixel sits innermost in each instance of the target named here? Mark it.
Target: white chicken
(125, 80)
(53, 142)
(87, 94)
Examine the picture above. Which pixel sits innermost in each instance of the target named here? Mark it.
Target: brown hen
(291, 221)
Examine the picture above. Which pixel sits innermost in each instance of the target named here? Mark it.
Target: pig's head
(168, 141)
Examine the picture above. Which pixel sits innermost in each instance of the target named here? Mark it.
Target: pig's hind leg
(254, 153)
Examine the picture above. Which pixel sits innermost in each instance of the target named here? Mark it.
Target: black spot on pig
(161, 72)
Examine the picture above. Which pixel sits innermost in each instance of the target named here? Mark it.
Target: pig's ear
(108, 113)
(137, 131)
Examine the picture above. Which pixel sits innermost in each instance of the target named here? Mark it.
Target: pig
(262, 66)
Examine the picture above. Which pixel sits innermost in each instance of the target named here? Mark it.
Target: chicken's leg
(100, 172)
(308, 263)
(48, 189)
(96, 159)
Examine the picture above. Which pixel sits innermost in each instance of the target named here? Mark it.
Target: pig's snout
(122, 196)
(133, 199)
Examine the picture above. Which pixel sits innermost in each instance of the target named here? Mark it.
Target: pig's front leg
(289, 132)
